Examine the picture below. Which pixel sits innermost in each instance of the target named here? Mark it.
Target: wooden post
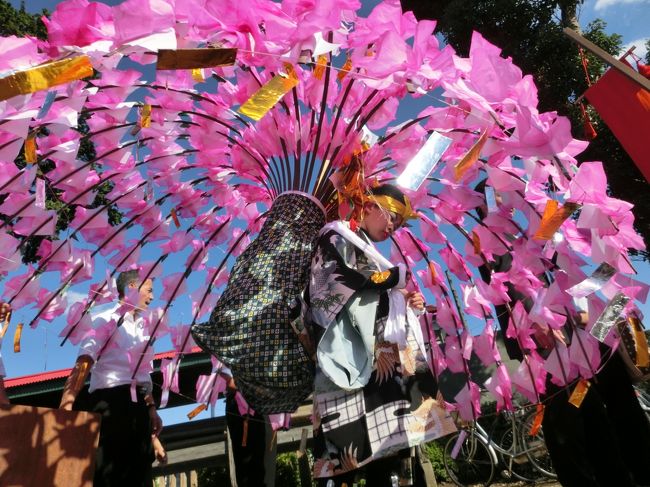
(231, 460)
(606, 57)
(303, 460)
(194, 479)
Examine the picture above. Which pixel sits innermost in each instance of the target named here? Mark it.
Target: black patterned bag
(250, 328)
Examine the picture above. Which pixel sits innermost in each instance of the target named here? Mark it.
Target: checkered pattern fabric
(250, 328)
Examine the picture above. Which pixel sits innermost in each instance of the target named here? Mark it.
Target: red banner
(625, 108)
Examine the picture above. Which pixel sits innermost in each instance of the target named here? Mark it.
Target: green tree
(530, 31)
(20, 23)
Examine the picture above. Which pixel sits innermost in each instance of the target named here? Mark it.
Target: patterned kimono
(372, 398)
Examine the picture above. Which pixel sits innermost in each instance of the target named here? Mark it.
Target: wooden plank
(606, 57)
(231, 461)
(42, 447)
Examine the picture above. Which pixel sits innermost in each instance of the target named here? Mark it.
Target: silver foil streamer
(594, 282)
(424, 162)
(609, 316)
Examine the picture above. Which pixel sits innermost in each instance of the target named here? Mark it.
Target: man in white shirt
(124, 400)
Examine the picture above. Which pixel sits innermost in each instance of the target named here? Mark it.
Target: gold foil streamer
(345, 69)
(321, 64)
(476, 243)
(197, 75)
(380, 277)
(579, 393)
(553, 218)
(195, 58)
(642, 358)
(17, 334)
(30, 149)
(145, 116)
(45, 76)
(537, 421)
(609, 316)
(470, 158)
(269, 94)
(194, 412)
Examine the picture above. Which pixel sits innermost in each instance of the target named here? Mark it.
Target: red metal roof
(59, 374)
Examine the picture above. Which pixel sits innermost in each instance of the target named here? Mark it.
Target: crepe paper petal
(470, 158)
(345, 69)
(145, 116)
(584, 353)
(579, 393)
(197, 75)
(30, 149)
(468, 402)
(529, 378)
(17, 334)
(39, 200)
(553, 218)
(424, 162)
(609, 317)
(319, 70)
(558, 364)
(268, 95)
(280, 421)
(169, 369)
(593, 283)
(459, 443)
(500, 387)
(242, 406)
(537, 420)
(195, 58)
(196, 411)
(45, 76)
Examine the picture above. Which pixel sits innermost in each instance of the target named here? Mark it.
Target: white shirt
(118, 359)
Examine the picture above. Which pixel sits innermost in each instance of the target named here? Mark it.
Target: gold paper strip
(17, 334)
(195, 58)
(470, 158)
(432, 270)
(345, 69)
(319, 70)
(45, 76)
(145, 116)
(268, 95)
(197, 75)
(579, 393)
(553, 218)
(642, 358)
(30, 149)
(537, 421)
(194, 412)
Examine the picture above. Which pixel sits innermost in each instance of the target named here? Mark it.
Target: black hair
(124, 279)
(389, 190)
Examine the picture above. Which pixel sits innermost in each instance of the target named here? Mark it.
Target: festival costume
(372, 396)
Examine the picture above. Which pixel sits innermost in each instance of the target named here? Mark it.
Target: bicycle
(471, 456)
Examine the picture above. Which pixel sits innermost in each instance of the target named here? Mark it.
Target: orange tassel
(588, 129)
(319, 70)
(194, 412)
(175, 218)
(244, 437)
(579, 393)
(537, 422)
(17, 335)
(345, 69)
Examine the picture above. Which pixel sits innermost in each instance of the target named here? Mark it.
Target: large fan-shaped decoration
(158, 134)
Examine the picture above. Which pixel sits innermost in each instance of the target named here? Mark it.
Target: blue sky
(41, 350)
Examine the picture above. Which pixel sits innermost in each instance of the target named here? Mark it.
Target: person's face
(379, 223)
(145, 292)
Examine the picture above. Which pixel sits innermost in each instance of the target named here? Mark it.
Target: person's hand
(5, 309)
(415, 300)
(156, 422)
(159, 450)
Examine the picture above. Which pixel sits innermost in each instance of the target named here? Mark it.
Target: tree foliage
(20, 23)
(530, 31)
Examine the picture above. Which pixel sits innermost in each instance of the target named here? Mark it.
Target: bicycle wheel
(535, 447)
(473, 463)
(517, 462)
